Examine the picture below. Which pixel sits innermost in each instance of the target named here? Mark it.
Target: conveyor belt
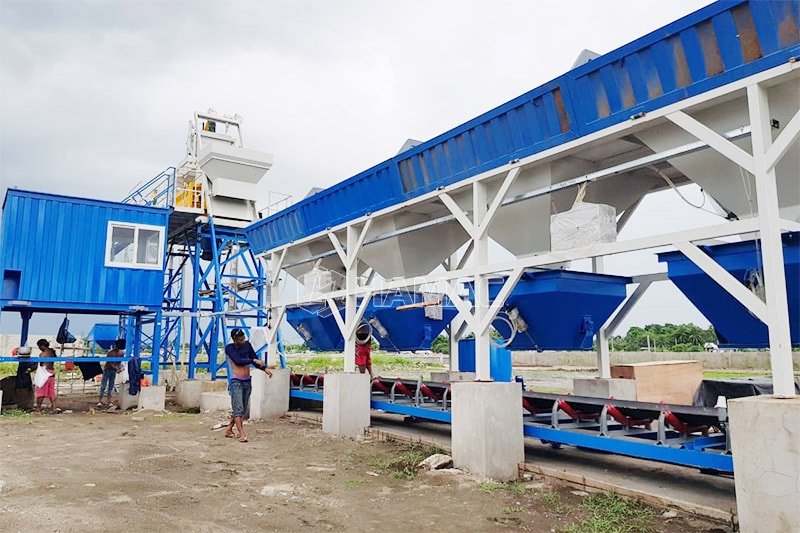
(679, 434)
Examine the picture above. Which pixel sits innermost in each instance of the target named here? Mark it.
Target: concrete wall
(726, 359)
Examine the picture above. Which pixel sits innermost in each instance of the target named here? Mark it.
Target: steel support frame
(762, 163)
(227, 291)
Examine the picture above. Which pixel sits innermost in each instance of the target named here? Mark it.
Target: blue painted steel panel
(716, 45)
(735, 326)
(499, 360)
(644, 450)
(408, 330)
(411, 410)
(53, 254)
(562, 308)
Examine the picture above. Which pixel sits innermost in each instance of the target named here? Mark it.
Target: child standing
(110, 371)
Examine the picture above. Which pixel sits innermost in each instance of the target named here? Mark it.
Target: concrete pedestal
(126, 401)
(188, 393)
(453, 375)
(153, 397)
(765, 439)
(486, 430)
(270, 396)
(618, 388)
(215, 401)
(345, 408)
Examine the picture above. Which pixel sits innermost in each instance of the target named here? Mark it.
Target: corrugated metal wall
(57, 244)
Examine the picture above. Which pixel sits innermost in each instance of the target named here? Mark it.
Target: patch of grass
(381, 363)
(404, 464)
(552, 500)
(15, 414)
(611, 513)
(511, 510)
(513, 486)
(353, 482)
(734, 374)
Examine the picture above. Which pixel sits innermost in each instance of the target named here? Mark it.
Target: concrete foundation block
(765, 432)
(187, 393)
(214, 385)
(215, 401)
(620, 389)
(453, 375)
(486, 430)
(346, 404)
(153, 397)
(270, 396)
(126, 400)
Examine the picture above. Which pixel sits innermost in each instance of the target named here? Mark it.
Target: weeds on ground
(382, 363)
(611, 513)
(353, 482)
(513, 486)
(15, 414)
(404, 464)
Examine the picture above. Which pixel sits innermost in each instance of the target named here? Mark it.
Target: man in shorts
(241, 355)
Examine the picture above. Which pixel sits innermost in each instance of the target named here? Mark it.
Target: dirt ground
(86, 470)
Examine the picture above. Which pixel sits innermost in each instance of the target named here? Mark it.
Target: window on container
(134, 245)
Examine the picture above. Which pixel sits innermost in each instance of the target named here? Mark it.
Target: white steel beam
(782, 143)
(713, 139)
(724, 279)
(780, 343)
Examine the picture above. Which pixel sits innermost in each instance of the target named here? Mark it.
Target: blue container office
(61, 253)
(405, 330)
(560, 309)
(709, 48)
(734, 325)
(499, 360)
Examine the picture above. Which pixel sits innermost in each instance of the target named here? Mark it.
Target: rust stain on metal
(711, 55)
(563, 117)
(748, 38)
(682, 75)
(788, 30)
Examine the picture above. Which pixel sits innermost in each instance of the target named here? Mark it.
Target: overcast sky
(96, 96)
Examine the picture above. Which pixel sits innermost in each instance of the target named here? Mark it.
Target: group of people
(45, 386)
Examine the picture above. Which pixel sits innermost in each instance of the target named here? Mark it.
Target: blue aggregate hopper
(62, 253)
(735, 326)
(395, 330)
(104, 335)
(315, 323)
(409, 329)
(557, 309)
(716, 45)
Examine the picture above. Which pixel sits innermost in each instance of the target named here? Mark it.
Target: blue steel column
(194, 338)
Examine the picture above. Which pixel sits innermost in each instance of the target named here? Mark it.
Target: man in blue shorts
(241, 355)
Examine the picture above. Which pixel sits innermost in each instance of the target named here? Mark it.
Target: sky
(95, 96)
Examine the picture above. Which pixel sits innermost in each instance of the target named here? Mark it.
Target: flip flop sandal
(243, 439)
(229, 435)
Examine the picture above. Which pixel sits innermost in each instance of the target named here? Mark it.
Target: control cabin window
(134, 245)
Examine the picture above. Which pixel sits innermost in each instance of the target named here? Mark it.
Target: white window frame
(135, 227)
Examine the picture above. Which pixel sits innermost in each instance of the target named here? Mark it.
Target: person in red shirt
(364, 350)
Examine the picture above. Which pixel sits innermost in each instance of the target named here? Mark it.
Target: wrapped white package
(583, 225)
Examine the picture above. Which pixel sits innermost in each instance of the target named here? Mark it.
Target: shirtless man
(241, 355)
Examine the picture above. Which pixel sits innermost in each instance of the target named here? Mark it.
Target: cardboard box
(672, 382)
